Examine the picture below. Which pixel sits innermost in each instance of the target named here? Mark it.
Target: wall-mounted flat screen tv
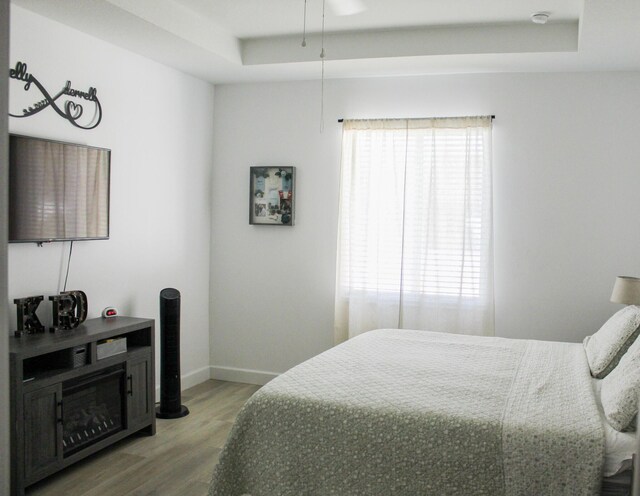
(57, 191)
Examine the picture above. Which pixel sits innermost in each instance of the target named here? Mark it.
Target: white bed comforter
(396, 412)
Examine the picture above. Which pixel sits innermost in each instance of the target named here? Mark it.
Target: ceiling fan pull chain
(322, 99)
(322, 32)
(304, 25)
(322, 74)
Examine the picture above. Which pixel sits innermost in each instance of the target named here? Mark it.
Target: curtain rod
(413, 119)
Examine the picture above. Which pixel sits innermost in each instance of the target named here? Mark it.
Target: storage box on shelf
(68, 401)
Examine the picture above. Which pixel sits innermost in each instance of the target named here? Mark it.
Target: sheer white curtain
(415, 234)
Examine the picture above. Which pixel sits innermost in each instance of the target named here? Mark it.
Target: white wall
(566, 204)
(158, 124)
(4, 333)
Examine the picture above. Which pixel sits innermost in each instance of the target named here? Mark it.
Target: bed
(421, 413)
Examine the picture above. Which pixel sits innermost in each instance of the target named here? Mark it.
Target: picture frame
(272, 195)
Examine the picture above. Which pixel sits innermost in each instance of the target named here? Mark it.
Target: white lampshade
(626, 290)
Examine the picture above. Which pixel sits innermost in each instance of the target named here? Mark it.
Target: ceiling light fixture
(347, 7)
(540, 17)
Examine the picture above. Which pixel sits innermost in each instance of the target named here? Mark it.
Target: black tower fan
(170, 399)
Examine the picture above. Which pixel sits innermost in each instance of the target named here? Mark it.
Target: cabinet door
(42, 431)
(139, 398)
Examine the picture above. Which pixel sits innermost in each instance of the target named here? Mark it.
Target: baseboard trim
(188, 380)
(246, 376)
(196, 377)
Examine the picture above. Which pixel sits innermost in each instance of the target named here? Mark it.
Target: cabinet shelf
(37, 375)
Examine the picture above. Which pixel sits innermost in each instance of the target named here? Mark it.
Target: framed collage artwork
(271, 196)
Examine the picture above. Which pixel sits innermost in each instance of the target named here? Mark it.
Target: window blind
(415, 230)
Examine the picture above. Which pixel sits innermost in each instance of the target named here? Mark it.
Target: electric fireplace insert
(93, 408)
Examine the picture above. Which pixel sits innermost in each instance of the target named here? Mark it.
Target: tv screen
(57, 191)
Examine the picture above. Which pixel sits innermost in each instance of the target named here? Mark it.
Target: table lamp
(626, 290)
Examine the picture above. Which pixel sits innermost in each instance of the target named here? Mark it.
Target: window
(415, 232)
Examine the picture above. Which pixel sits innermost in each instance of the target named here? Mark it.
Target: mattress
(413, 412)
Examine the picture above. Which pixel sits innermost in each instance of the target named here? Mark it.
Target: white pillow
(607, 346)
(620, 390)
(619, 446)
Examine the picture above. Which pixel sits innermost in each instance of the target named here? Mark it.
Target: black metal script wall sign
(70, 110)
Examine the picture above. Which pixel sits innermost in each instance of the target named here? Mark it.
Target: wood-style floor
(177, 461)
